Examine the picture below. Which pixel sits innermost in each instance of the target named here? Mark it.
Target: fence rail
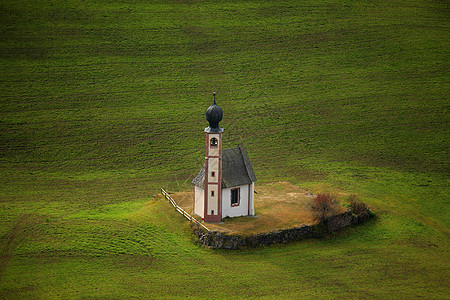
(182, 211)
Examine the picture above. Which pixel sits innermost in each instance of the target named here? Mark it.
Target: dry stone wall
(220, 240)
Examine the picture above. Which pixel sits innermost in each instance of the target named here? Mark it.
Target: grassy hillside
(102, 103)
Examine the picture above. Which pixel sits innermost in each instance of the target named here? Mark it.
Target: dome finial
(214, 115)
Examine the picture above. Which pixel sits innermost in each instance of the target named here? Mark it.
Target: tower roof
(214, 115)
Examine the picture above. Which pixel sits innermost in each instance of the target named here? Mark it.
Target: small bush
(357, 206)
(325, 206)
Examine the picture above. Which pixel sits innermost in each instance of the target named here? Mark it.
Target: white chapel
(224, 187)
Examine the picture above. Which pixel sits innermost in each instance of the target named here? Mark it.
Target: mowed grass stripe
(103, 103)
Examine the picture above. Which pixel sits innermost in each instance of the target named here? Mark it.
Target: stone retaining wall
(220, 240)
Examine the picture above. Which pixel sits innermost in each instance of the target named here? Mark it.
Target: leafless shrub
(356, 205)
(325, 206)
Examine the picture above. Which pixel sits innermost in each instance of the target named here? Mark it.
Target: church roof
(236, 169)
(200, 178)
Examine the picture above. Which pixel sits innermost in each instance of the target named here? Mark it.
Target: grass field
(102, 103)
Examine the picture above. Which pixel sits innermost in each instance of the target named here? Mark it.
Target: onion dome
(214, 115)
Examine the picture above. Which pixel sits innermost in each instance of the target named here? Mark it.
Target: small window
(235, 195)
(213, 174)
(213, 142)
(212, 193)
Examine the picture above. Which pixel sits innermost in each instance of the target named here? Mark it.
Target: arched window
(213, 142)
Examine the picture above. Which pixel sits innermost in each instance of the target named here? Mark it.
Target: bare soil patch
(278, 205)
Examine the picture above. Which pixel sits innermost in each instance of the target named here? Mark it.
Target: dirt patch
(278, 205)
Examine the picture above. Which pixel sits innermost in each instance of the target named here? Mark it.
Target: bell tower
(213, 165)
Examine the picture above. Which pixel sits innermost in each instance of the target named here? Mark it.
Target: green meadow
(102, 103)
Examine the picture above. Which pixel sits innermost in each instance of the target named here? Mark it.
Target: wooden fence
(182, 211)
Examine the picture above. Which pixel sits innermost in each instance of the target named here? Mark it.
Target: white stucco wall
(213, 201)
(227, 209)
(199, 195)
(242, 209)
(213, 166)
(252, 199)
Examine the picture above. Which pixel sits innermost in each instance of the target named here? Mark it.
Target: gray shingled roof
(236, 169)
(200, 178)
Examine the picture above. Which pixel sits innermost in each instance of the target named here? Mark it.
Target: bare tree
(325, 206)
(357, 206)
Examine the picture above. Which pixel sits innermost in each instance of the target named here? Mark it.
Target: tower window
(213, 142)
(235, 197)
(213, 174)
(212, 193)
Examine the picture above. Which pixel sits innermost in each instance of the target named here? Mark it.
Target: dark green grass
(102, 103)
